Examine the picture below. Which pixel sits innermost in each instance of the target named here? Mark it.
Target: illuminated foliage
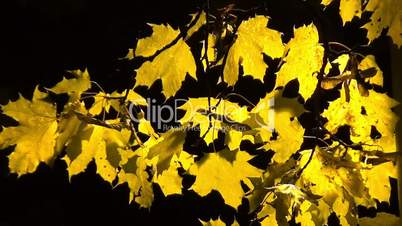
(306, 183)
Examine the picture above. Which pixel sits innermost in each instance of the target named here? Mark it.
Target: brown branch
(91, 120)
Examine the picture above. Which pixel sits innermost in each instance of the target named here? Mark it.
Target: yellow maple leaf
(170, 181)
(344, 210)
(269, 216)
(145, 127)
(279, 114)
(74, 86)
(342, 188)
(171, 65)
(309, 174)
(337, 170)
(68, 126)
(377, 180)
(34, 137)
(103, 166)
(349, 9)
(303, 60)
(133, 97)
(134, 174)
(360, 113)
(104, 101)
(166, 146)
(311, 214)
(161, 36)
(105, 145)
(101, 102)
(224, 116)
(253, 39)
(370, 62)
(111, 153)
(223, 171)
(385, 14)
(342, 61)
(82, 148)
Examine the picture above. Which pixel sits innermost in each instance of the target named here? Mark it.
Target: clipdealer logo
(163, 114)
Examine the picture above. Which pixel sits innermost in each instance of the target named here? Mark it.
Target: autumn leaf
(269, 218)
(253, 40)
(161, 36)
(277, 125)
(305, 179)
(225, 116)
(385, 14)
(101, 103)
(104, 145)
(112, 153)
(74, 86)
(370, 62)
(340, 187)
(377, 180)
(69, 125)
(135, 175)
(35, 136)
(311, 214)
(166, 146)
(348, 9)
(145, 127)
(161, 67)
(82, 148)
(170, 181)
(303, 60)
(104, 101)
(361, 113)
(224, 171)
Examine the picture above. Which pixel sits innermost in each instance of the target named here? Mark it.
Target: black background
(43, 38)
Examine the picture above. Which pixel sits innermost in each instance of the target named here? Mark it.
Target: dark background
(44, 38)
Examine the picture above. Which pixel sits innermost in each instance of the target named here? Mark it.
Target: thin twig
(310, 158)
(241, 96)
(99, 86)
(314, 137)
(90, 120)
(341, 45)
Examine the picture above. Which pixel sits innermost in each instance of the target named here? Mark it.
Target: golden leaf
(253, 39)
(34, 137)
(386, 14)
(303, 60)
(223, 171)
(171, 65)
